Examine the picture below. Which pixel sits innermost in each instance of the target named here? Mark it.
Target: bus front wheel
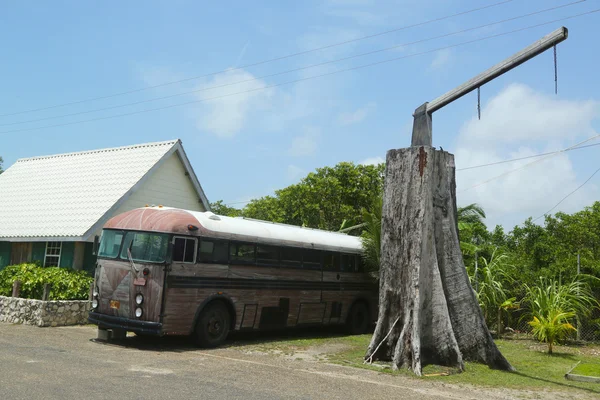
(213, 325)
(358, 319)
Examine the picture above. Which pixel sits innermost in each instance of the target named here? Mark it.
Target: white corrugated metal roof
(275, 233)
(64, 196)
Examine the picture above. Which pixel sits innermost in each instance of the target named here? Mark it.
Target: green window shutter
(4, 254)
(89, 259)
(67, 253)
(38, 251)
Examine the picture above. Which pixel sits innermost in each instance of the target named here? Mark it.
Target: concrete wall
(43, 313)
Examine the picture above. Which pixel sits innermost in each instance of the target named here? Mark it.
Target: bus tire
(357, 322)
(214, 323)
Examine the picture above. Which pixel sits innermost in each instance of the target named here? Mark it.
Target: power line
(301, 79)
(529, 164)
(265, 61)
(296, 69)
(527, 157)
(567, 196)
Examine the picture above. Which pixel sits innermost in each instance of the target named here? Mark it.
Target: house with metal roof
(52, 207)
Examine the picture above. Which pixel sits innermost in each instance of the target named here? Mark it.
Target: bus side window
(349, 263)
(267, 255)
(184, 250)
(242, 252)
(292, 257)
(311, 259)
(331, 261)
(213, 251)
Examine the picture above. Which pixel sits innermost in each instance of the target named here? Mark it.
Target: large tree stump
(428, 311)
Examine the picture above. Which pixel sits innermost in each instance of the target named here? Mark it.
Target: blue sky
(247, 145)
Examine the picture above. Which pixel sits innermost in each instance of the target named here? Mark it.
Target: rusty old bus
(165, 271)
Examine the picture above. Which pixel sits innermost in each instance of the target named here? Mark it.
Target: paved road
(66, 363)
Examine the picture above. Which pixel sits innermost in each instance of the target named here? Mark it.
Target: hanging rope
(555, 73)
(478, 103)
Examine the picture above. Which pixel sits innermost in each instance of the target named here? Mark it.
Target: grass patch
(535, 368)
(588, 369)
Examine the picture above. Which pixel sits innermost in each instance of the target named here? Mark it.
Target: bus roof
(174, 220)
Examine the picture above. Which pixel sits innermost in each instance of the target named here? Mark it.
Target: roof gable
(67, 196)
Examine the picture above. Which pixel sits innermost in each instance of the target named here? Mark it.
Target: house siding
(167, 185)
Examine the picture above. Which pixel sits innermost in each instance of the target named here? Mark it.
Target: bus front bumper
(131, 325)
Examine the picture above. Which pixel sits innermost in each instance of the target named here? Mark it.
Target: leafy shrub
(67, 284)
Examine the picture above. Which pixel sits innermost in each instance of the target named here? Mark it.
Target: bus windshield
(145, 247)
(110, 243)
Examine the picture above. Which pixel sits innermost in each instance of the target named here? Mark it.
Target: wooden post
(16, 289)
(46, 294)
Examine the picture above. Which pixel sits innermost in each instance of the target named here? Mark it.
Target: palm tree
(470, 214)
(468, 218)
(371, 236)
(553, 327)
(552, 307)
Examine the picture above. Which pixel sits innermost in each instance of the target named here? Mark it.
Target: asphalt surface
(67, 363)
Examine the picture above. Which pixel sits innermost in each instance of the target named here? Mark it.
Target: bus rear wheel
(213, 325)
(358, 319)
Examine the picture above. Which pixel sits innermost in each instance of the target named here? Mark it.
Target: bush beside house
(67, 284)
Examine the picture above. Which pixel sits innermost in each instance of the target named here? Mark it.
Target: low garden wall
(43, 313)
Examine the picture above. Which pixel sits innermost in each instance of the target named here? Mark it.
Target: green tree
(219, 208)
(324, 198)
(1, 161)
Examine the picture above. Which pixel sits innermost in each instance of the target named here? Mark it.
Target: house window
(52, 258)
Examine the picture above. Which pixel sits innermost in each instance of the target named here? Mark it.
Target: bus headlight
(95, 303)
(96, 291)
(138, 312)
(139, 299)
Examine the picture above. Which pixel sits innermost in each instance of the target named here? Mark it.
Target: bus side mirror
(169, 258)
(96, 245)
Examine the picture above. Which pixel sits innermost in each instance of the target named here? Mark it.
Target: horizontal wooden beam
(517, 59)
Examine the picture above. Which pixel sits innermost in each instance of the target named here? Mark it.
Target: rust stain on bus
(148, 219)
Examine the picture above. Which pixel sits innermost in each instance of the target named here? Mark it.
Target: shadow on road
(186, 343)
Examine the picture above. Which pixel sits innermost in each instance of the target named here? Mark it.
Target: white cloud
(224, 113)
(354, 117)
(520, 122)
(294, 173)
(373, 161)
(441, 59)
(306, 144)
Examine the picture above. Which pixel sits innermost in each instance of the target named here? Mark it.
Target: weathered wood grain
(426, 303)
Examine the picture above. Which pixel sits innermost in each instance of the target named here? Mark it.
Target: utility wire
(529, 164)
(265, 61)
(296, 69)
(499, 162)
(303, 79)
(527, 157)
(567, 196)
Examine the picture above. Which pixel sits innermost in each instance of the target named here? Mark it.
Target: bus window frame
(196, 244)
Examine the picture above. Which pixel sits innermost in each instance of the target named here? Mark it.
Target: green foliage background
(67, 284)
